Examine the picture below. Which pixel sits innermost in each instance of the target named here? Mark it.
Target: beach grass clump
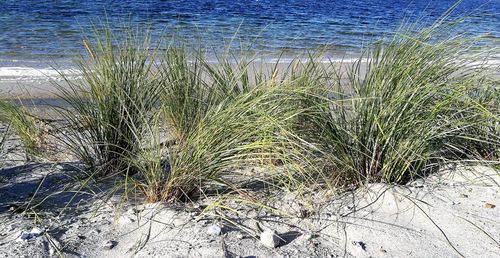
(215, 121)
(222, 140)
(24, 126)
(171, 129)
(110, 107)
(405, 107)
(192, 84)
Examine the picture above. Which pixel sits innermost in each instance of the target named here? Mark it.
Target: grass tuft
(110, 107)
(406, 106)
(25, 126)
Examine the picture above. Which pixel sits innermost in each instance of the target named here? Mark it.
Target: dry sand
(449, 214)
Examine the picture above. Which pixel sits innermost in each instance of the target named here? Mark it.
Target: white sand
(447, 215)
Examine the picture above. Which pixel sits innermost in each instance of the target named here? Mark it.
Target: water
(33, 31)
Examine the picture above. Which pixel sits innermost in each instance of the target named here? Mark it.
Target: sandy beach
(453, 213)
(249, 129)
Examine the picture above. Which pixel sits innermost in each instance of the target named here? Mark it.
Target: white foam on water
(34, 72)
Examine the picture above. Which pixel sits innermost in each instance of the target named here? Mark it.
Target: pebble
(10, 228)
(133, 212)
(51, 251)
(214, 230)
(239, 236)
(36, 231)
(125, 220)
(269, 238)
(179, 221)
(115, 199)
(489, 205)
(24, 236)
(109, 244)
(360, 245)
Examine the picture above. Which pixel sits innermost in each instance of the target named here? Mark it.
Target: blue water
(33, 29)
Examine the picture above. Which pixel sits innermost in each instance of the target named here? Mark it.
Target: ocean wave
(30, 72)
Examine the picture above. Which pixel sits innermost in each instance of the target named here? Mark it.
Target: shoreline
(33, 79)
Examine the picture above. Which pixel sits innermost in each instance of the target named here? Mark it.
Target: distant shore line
(33, 79)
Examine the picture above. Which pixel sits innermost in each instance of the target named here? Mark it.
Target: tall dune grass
(186, 125)
(411, 110)
(191, 85)
(229, 135)
(25, 126)
(111, 106)
(218, 120)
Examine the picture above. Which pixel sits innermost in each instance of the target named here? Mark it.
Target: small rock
(95, 231)
(490, 205)
(464, 196)
(133, 212)
(360, 244)
(269, 238)
(115, 199)
(51, 251)
(59, 167)
(36, 231)
(179, 221)
(239, 236)
(109, 244)
(125, 220)
(10, 228)
(214, 230)
(24, 236)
